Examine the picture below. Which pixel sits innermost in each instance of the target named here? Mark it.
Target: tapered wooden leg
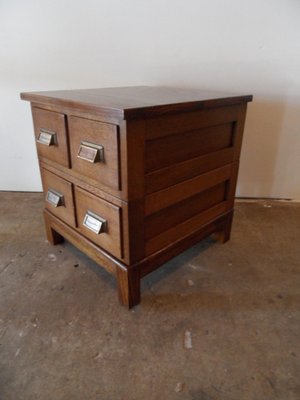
(52, 236)
(129, 286)
(224, 234)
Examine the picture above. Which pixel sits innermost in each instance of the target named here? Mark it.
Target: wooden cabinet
(133, 176)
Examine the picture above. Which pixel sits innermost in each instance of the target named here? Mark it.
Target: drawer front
(51, 135)
(59, 197)
(95, 150)
(99, 221)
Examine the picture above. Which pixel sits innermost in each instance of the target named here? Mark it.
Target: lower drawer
(58, 197)
(99, 221)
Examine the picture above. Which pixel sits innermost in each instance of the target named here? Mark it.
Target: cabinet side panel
(170, 150)
(191, 166)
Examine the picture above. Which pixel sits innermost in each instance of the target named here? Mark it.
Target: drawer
(95, 150)
(99, 221)
(59, 197)
(51, 135)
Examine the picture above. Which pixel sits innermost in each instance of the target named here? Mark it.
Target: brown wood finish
(185, 122)
(170, 150)
(167, 179)
(53, 236)
(231, 183)
(238, 131)
(66, 211)
(179, 172)
(136, 102)
(153, 261)
(133, 157)
(223, 233)
(110, 239)
(77, 112)
(129, 286)
(176, 193)
(107, 171)
(169, 216)
(89, 184)
(185, 228)
(95, 252)
(55, 122)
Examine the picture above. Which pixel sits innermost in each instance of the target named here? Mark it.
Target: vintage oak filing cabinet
(133, 176)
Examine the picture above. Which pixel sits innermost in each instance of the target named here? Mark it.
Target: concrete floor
(217, 322)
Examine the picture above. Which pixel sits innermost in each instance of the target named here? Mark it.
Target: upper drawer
(95, 150)
(51, 136)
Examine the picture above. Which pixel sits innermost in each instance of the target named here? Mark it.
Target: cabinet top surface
(136, 101)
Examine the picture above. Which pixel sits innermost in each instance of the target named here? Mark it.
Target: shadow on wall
(260, 148)
(270, 151)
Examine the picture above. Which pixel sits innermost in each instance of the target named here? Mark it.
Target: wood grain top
(136, 101)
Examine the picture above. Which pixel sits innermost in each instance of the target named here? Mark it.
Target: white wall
(237, 46)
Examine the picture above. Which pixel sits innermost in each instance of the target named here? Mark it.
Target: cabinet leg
(52, 236)
(129, 286)
(224, 234)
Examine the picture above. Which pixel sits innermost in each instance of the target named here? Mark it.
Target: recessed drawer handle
(55, 198)
(91, 152)
(94, 222)
(46, 137)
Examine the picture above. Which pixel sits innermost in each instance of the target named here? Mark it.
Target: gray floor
(217, 322)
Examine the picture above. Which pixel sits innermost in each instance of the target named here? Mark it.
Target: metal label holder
(55, 198)
(91, 152)
(94, 222)
(47, 137)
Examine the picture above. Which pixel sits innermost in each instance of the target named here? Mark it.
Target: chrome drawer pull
(94, 223)
(91, 152)
(47, 137)
(55, 198)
